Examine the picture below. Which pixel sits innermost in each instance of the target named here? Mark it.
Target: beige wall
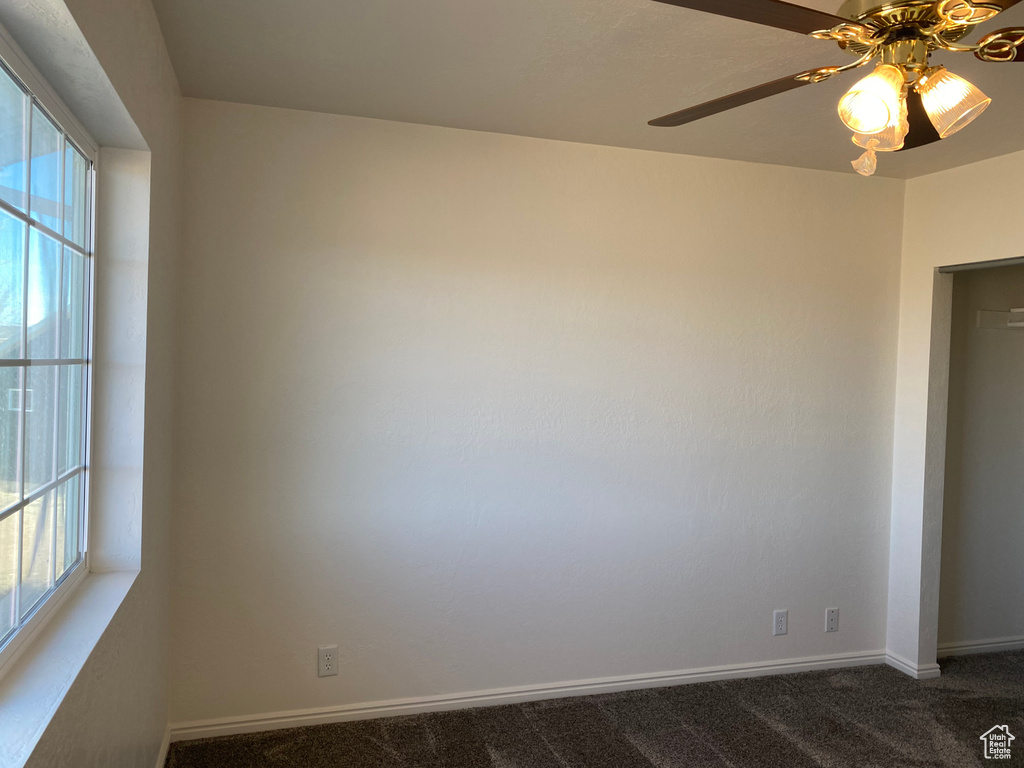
(492, 411)
(115, 714)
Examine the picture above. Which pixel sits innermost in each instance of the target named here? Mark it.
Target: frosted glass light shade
(874, 102)
(890, 138)
(950, 101)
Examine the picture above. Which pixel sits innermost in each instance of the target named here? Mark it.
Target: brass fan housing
(900, 18)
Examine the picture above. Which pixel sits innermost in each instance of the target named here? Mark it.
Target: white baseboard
(981, 646)
(224, 726)
(916, 671)
(161, 757)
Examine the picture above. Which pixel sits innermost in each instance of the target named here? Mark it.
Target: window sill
(35, 683)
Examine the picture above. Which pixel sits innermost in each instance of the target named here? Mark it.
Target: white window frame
(44, 96)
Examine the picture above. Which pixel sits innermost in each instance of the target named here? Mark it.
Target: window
(46, 180)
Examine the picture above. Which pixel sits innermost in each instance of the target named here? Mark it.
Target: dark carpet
(869, 717)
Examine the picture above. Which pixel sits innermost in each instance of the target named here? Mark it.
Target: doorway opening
(981, 586)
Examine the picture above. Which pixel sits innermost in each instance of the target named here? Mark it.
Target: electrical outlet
(832, 620)
(327, 660)
(780, 622)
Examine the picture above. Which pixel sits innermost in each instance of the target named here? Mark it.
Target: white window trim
(19, 64)
(33, 687)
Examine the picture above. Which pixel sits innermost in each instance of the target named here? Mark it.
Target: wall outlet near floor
(831, 619)
(327, 660)
(780, 622)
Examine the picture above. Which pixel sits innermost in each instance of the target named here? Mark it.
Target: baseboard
(981, 646)
(198, 729)
(916, 671)
(161, 757)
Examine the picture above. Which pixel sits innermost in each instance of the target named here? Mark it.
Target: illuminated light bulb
(950, 101)
(873, 103)
(890, 138)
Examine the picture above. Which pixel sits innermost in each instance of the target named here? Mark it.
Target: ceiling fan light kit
(905, 102)
(952, 102)
(873, 104)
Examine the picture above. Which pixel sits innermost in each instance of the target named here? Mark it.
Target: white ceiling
(591, 71)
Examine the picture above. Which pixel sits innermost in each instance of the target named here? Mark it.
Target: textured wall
(493, 411)
(115, 714)
(932, 217)
(982, 527)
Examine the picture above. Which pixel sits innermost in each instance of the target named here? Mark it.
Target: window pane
(76, 168)
(46, 198)
(8, 561)
(13, 102)
(40, 402)
(68, 506)
(10, 423)
(46, 155)
(43, 295)
(36, 550)
(73, 297)
(69, 414)
(12, 283)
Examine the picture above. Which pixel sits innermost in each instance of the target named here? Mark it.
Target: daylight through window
(45, 278)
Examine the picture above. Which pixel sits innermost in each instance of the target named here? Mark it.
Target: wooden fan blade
(921, 129)
(756, 93)
(1004, 4)
(772, 13)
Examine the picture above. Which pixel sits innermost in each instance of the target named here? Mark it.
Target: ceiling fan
(905, 102)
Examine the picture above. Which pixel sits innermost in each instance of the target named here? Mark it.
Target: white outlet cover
(832, 620)
(327, 660)
(780, 622)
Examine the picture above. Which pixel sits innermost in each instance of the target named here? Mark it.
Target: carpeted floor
(868, 717)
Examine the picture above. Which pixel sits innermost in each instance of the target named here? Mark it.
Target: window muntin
(45, 281)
